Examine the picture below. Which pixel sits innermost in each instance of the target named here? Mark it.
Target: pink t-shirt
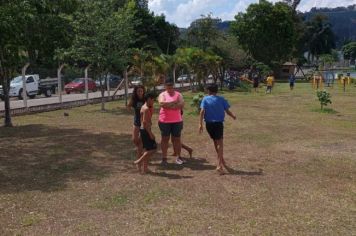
(170, 115)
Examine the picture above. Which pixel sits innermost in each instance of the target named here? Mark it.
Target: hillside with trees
(342, 20)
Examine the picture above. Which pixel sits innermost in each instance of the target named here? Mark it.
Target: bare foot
(220, 170)
(139, 167)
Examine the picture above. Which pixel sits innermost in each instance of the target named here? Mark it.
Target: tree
(103, 35)
(202, 32)
(319, 37)
(266, 31)
(154, 33)
(293, 3)
(349, 51)
(13, 15)
(198, 62)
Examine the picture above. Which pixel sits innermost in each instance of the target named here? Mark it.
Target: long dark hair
(134, 97)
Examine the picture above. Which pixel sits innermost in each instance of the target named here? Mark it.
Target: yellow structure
(317, 81)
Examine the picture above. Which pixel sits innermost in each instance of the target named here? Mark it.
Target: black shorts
(269, 87)
(147, 142)
(255, 84)
(168, 129)
(215, 130)
(291, 84)
(137, 122)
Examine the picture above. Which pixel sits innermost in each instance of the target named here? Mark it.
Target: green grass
(293, 171)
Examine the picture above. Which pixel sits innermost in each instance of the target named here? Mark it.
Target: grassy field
(294, 172)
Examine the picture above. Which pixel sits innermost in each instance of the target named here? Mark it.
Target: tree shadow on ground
(44, 158)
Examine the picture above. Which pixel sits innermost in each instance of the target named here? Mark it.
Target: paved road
(41, 100)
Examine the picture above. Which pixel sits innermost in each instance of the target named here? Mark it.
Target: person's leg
(177, 145)
(188, 149)
(146, 159)
(165, 136)
(137, 141)
(164, 147)
(176, 129)
(220, 153)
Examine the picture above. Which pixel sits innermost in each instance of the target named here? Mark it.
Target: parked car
(34, 86)
(135, 81)
(78, 85)
(183, 79)
(114, 81)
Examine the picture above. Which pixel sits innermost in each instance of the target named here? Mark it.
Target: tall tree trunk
(6, 87)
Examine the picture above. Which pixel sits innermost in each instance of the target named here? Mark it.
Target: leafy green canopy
(266, 31)
(349, 51)
(319, 36)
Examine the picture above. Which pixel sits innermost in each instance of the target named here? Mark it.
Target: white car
(33, 87)
(16, 86)
(183, 78)
(136, 81)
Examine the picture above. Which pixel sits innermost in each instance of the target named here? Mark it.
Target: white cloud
(183, 12)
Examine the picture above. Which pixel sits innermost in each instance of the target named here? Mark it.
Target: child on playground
(213, 109)
(147, 137)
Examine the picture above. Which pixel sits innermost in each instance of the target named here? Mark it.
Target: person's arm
(147, 123)
(129, 105)
(201, 118)
(163, 103)
(230, 114)
(180, 103)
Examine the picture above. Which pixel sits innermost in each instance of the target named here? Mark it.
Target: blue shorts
(168, 129)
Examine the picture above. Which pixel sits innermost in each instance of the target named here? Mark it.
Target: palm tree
(319, 37)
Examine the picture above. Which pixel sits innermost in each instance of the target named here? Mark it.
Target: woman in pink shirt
(170, 121)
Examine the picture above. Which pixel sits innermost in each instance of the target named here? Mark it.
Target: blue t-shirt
(214, 107)
(291, 79)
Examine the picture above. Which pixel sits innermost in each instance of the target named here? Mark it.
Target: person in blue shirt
(213, 109)
(291, 81)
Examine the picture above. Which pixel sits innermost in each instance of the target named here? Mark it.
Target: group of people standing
(170, 123)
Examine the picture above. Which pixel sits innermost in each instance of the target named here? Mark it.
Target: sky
(183, 12)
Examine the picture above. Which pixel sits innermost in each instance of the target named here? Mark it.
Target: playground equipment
(329, 78)
(345, 80)
(317, 81)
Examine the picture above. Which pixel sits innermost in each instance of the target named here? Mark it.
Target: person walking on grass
(136, 102)
(170, 121)
(270, 82)
(147, 137)
(291, 81)
(213, 109)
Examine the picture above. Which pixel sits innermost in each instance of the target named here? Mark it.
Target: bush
(197, 101)
(324, 98)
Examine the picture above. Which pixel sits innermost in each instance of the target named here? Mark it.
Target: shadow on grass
(191, 163)
(169, 175)
(43, 158)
